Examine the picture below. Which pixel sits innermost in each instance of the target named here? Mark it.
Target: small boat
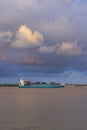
(28, 84)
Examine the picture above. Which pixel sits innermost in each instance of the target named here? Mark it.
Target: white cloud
(47, 49)
(5, 34)
(5, 37)
(69, 48)
(26, 38)
(65, 48)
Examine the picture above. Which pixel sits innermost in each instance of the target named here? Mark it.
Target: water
(43, 109)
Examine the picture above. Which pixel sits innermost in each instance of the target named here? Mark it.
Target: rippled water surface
(43, 109)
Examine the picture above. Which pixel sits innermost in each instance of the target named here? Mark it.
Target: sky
(43, 40)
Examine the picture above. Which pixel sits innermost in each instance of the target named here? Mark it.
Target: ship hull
(42, 86)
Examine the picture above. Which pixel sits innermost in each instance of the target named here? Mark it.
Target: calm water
(43, 109)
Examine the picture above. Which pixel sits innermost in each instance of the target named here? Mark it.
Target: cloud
(67, 1)
(69, 48)
(22, 5)
(47, 49)
(27, 59)
(26, 38)
(59, 29)
(5, 37)
(5, 34)
(3, 57)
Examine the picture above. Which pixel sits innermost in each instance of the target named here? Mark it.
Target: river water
(43, 109)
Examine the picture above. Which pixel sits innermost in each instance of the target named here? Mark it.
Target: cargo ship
(28, 84)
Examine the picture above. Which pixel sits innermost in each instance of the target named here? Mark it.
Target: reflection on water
(43, 109)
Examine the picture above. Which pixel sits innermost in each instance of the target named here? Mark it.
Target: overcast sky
(43, 39)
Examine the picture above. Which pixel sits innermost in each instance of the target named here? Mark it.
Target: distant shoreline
(8, 85)
(75, 85)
